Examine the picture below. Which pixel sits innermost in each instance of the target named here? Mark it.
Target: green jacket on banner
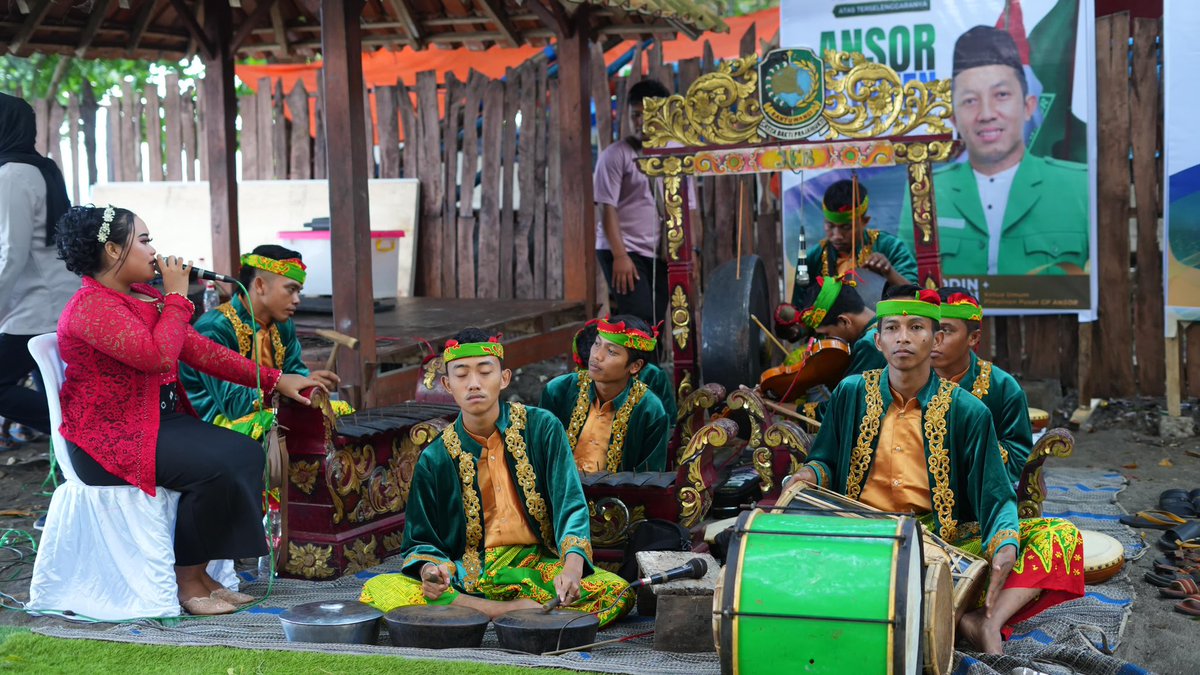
(900, 256)
(641, 428)
(230, 325)
(1004, 397)
(656, 378)
(1046, 223)
(972, 495)
(444, 516)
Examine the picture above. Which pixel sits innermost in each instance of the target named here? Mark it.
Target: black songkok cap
(986, 46)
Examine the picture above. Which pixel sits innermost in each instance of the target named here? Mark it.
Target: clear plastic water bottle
(273, 528)
(211, 297)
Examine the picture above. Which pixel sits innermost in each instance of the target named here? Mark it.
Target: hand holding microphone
(174, 273)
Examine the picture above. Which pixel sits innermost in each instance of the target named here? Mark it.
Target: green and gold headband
(292, 268)
(846, 215)
(630, 338)
(960, 306)
(455, 350)
(831, 288)
(926, 303)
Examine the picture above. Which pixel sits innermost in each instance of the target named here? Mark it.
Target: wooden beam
(552, 16)
(261, 11)
(499, 18)
(281, 38)
(144, 17)
(578, 212)
(194, 28)
(92, 27)
(353, 304)
(404, 12)
(219, 101)
(33, 19)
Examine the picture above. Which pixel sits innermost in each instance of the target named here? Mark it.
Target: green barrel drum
(820, 594)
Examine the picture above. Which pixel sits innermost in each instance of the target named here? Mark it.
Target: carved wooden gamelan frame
(714, 130)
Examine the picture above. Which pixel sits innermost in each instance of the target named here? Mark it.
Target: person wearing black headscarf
(34, 283)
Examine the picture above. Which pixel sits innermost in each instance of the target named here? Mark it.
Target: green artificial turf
(25, 652)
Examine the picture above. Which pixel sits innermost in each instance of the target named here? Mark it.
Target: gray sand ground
(1156, 638)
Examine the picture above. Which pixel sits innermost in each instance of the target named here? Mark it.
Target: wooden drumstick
(774, 340)
(791, 413)
(338, 340)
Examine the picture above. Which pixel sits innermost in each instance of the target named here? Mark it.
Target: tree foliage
(36, 75)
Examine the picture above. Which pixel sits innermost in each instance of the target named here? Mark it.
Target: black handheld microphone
(692, 569)
(195, 273)
(208, 275)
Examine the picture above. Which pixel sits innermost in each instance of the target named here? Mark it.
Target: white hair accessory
(106, 225)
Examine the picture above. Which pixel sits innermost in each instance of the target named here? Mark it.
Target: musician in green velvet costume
(496, 518)
(656, 378)
(274, 277)
(614, 421)
(902, 439)
(832, 308)
(955, 360)
(845, 208)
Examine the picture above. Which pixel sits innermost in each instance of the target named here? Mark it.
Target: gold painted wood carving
(304, 475)
(869, 100)
(309, 561)
(611, 521)
(863, 99)
(720, 108)
(352, 476)
(681, 317)
(360, 555)
(394, 541)
(696, 497)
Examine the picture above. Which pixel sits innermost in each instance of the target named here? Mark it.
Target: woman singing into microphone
(127, 419)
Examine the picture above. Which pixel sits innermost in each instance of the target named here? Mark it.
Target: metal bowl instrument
(343, 622)
(535, 631)
(436, 627)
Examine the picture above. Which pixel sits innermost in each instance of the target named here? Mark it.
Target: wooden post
(1174, 383)
(353, 303)
(219, 110)
(579, 214)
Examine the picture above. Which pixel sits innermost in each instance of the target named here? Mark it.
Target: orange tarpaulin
(385, 67)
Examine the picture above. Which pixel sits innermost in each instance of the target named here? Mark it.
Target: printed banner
(1182, 211)
(1016, 206)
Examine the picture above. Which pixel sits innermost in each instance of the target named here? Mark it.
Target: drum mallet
(692, 569)
(338, 340)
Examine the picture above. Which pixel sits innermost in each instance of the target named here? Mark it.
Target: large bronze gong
(732, 346)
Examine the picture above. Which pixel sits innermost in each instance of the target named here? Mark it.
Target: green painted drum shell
(827, 585)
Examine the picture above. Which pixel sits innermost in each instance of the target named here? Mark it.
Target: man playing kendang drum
(613, 421)
(496, 518)
(839, 253)
(955, 360)
(902, 439)
(274, 277)
(654, 377)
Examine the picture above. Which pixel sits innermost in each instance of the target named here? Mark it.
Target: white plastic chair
(106, 552)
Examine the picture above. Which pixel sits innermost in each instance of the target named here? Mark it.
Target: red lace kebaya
(119, 351)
